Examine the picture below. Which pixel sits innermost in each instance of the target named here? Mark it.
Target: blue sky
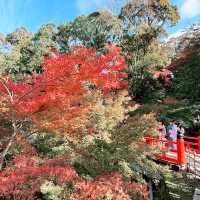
(33, 13)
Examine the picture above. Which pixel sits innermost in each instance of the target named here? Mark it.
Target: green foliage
(27, 50)
(187, 66)
(179, 185)
(109, 111)
(51, 145)
(143, 85)
(148, 169)
(141, 121)
(187, 84)
(144, 22)
(90, 31)
(118, 150)
(99, 158)
(182, 112)
(10, 61)
(51, 191)
(81, 170)
(151, 12)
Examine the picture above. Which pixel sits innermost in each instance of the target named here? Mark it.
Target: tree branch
(4, 153)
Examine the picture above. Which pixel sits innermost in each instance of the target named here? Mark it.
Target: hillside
(79, 99)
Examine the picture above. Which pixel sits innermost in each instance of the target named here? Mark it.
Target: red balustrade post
(198, 140)
(181, 151)
(149, 140)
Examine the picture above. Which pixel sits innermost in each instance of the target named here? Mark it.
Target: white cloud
(175, 35)
(190, 8)
(86, 6)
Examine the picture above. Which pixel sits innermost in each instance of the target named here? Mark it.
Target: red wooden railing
(192, 144)
(175, 154)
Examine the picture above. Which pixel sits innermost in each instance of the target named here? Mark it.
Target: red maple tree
(23, 181)
(63, 91)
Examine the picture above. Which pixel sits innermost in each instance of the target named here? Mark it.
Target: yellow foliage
(109, 111)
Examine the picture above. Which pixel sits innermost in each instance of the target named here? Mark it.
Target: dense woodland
(76, 100)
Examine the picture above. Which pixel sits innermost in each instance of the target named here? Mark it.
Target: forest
(78, 98)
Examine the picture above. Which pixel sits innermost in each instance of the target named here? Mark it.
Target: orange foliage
(62, 93)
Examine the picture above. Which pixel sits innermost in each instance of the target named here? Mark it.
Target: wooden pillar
(181, 151)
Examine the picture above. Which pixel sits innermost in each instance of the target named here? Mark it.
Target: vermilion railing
(192, 144)
(174, 151)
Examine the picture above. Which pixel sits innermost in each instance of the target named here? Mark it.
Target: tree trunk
(4, 153)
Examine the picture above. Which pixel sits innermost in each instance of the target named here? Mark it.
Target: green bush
(51, 145)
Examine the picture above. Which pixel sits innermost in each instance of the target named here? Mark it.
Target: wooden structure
(175, 152)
